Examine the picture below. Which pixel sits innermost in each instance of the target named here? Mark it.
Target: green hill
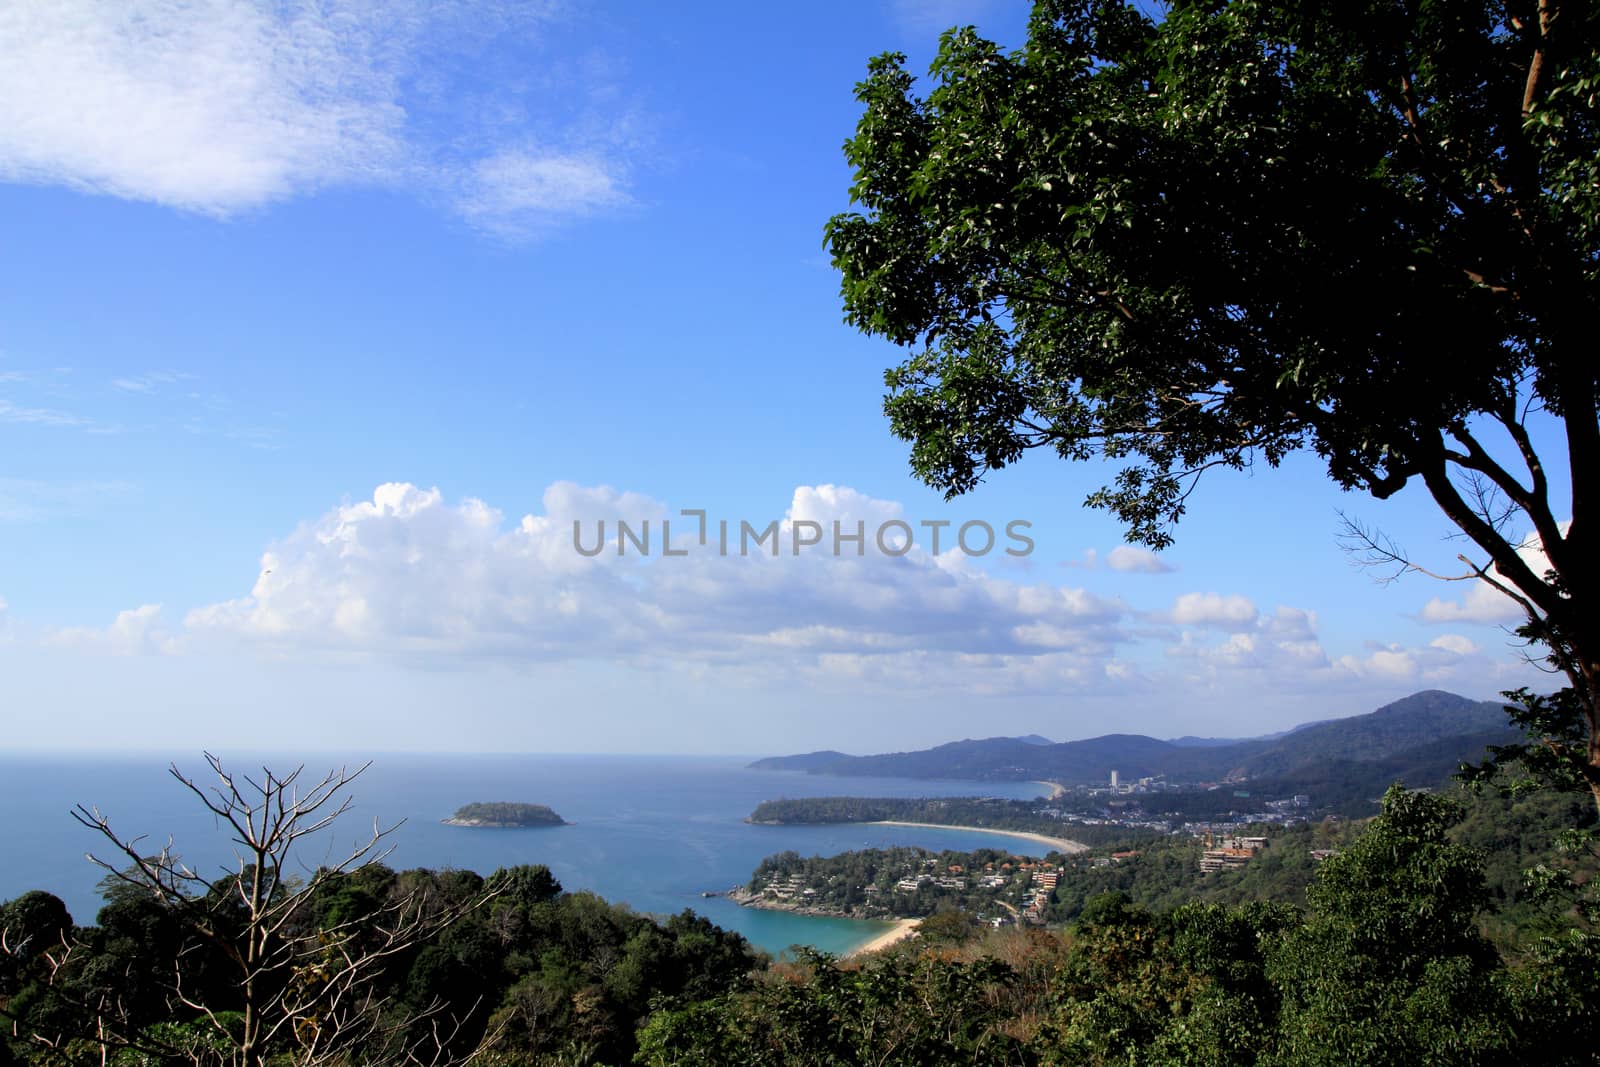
(1420, 737)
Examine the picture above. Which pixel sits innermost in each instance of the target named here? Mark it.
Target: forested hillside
(1415, 735)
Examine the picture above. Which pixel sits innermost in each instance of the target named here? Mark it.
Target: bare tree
(300, 991)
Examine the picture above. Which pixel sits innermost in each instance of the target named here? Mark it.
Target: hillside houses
(1230, 852)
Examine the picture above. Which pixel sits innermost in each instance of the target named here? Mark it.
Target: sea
(657, 833)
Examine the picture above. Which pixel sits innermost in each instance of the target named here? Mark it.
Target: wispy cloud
(27, 500)
(10, 412)
(222, 106)
(148, 383)
(517, 192)
(211, 105)
(923, 17)
(1125, 559)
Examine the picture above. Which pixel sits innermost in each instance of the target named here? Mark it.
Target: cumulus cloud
(1456, 643)
(1232, 612)
(410, 576)
(1482, 602)
(140, 631)
(219, 106)
(1132, 559)
(1282, 653)
(409, 573)
(1283, 643)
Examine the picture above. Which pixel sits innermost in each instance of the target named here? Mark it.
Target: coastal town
(997, 888)
(1088, 832)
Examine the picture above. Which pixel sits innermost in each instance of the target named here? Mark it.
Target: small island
(504, 816)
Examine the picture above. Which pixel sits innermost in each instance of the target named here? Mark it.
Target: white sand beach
(903, 928)
(1059, 844)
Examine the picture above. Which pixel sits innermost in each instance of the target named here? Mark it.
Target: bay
(652, 832)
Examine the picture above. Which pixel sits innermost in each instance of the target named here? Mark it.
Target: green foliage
(32, 924)
(1385, 963)
(1248, 229)
(897, 1011)
(1126, 237)
(539, 973)
(1390, 967)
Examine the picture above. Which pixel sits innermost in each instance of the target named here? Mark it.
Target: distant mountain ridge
(1422, 732)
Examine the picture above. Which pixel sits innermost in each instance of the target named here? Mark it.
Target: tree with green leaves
(1390, 966)
(1368, 230)
(891, 1011)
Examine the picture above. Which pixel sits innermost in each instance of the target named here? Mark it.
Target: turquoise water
(652, 832)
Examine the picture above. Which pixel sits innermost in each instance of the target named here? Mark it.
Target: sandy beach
(1056, 788)
(1059, 844)
(903, 928)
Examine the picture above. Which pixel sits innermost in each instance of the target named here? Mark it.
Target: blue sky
(342, 296)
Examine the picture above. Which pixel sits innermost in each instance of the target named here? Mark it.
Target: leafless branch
(308, 992)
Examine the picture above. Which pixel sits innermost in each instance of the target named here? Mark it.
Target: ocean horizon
(653, 832)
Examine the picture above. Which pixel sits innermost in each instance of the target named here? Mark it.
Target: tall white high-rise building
(1113, 781)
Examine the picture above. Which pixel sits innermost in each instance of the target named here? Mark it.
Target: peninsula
(504, 816)
(1029, 820)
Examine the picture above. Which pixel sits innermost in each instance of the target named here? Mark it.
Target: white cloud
(518, 192)
(1456, 643)
(1132, 559)
(10, 412)
(408, 573)
(1397, 663)
(1284, 643)
(1282, 653)
(147, 383)
(1449, 661)
(207, 105)
(1214, 610)
(1483, 603)
(140, 631)
(221, 106)
(408, 576)
(925, 18)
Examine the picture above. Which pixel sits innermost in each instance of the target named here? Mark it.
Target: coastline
(1057, 790)
(1060, 844)
(903, 928)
